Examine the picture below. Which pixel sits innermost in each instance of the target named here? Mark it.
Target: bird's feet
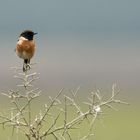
(26, 67)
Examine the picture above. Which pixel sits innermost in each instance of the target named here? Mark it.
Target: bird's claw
(26, 67)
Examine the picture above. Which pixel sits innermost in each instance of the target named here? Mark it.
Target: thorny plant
(46, 125)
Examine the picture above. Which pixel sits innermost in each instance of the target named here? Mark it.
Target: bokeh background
(91, 43)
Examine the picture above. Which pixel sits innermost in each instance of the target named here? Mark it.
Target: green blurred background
(92, 43)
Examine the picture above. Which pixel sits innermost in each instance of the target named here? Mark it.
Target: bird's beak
(35, 33)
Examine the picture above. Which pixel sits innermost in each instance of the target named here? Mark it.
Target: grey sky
(79, 41)
(70, 16)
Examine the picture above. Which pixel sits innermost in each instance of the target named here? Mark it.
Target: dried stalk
(31, 126)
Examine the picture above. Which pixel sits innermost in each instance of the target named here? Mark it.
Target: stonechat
(25, 47)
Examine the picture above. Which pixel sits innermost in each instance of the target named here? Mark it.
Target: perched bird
(25, 47)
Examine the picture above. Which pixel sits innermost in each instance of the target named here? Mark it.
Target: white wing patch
(21, 39)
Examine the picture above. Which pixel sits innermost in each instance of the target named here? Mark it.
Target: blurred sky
(92, 43)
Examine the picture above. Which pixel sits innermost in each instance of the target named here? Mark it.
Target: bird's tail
(26, 65)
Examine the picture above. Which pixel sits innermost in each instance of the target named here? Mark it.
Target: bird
(25, 47)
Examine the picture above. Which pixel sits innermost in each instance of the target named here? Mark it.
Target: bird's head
(28, 34)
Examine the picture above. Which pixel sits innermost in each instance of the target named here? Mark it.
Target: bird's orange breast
(25, 49)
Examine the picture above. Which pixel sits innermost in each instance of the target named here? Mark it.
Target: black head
(28, 34)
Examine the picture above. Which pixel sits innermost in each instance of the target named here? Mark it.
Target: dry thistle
(52, 122)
